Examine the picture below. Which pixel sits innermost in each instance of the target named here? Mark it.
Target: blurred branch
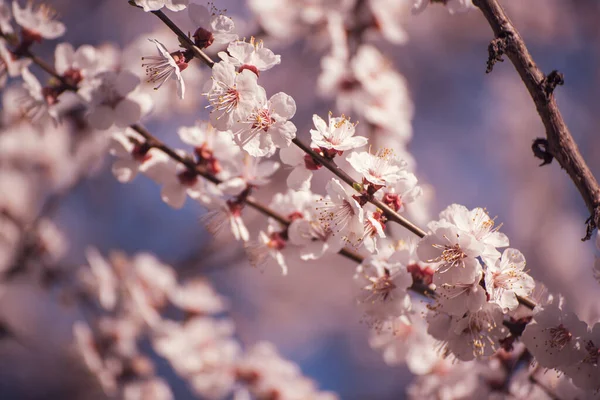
(560, 143)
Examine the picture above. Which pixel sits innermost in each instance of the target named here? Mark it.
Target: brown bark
(560, 144)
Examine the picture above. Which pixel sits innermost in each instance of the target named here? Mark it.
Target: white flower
(264, 372)
(102, 279)
(373, 227)
(338, 135)
(36, 104)
(473, 335)
(385, 293)
(178, 181)
(378, 169)
(151, 388)
(202, 351)
(198, 297)
(268, 244)
(113, 100)
(451, 251)
(251, 54)
(461, 295)
(76, 65)
(585, 373)
(301, 176)
(401, 193)
(165, 65)
(267, 127)
(131, 153)
(552, 337)
(222, 212)
(153, 5)
(250, 172)
(9, 64)
(213, 26)
(506, 280)
(478, 223)
(388, 19)
(5, 18)
(232, 96)
(37, 22)
(215, 150)
(454, 6)
(341, 214)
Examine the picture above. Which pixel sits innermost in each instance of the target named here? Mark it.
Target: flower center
(262, 120)
(452, 255)
(559, 337)
(382, 287)
(226, 99)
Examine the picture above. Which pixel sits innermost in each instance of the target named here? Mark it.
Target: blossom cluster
(476, 287)
(132, 299)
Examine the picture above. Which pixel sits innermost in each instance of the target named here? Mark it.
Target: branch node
(591, 223)
(551, 81)
(540, 150)
(496, 50)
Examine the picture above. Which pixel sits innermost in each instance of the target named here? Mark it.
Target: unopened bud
(203, 38)
(249, 67)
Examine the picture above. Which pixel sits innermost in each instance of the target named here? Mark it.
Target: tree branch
(560, 142)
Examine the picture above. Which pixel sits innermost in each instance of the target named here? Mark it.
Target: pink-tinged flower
(87, 347)
(178, 181)
(405, 191)
(553, 336)
(474, 335)
(301, 176)
(213, 26)
(454, 6)
(585, 372)
(164, 66)
(232, 96)
(388, 19)
(267, 127)
(461, 294)
(102, 279)
(478, 223)
(202, 351)
(37, 103)
(341, 214)
(76, 65)
(226, 212)
(249, 172)
(215, 150)
(506, 280)
(264, 372)
(373, 228)
(9, 64)
(451, 252)
(131, 153)
(37, 22)
(153, 5)
(114, 101)
(384, 282)
(338, 135)
(198, 297)
(5, 18)
(250, 55)
(269, 245)
(151, 388)
(378, 169)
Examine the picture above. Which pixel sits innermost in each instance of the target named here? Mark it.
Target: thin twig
(330, 165)
(561, 144)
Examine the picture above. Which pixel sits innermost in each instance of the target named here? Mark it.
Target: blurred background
(472, 136)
